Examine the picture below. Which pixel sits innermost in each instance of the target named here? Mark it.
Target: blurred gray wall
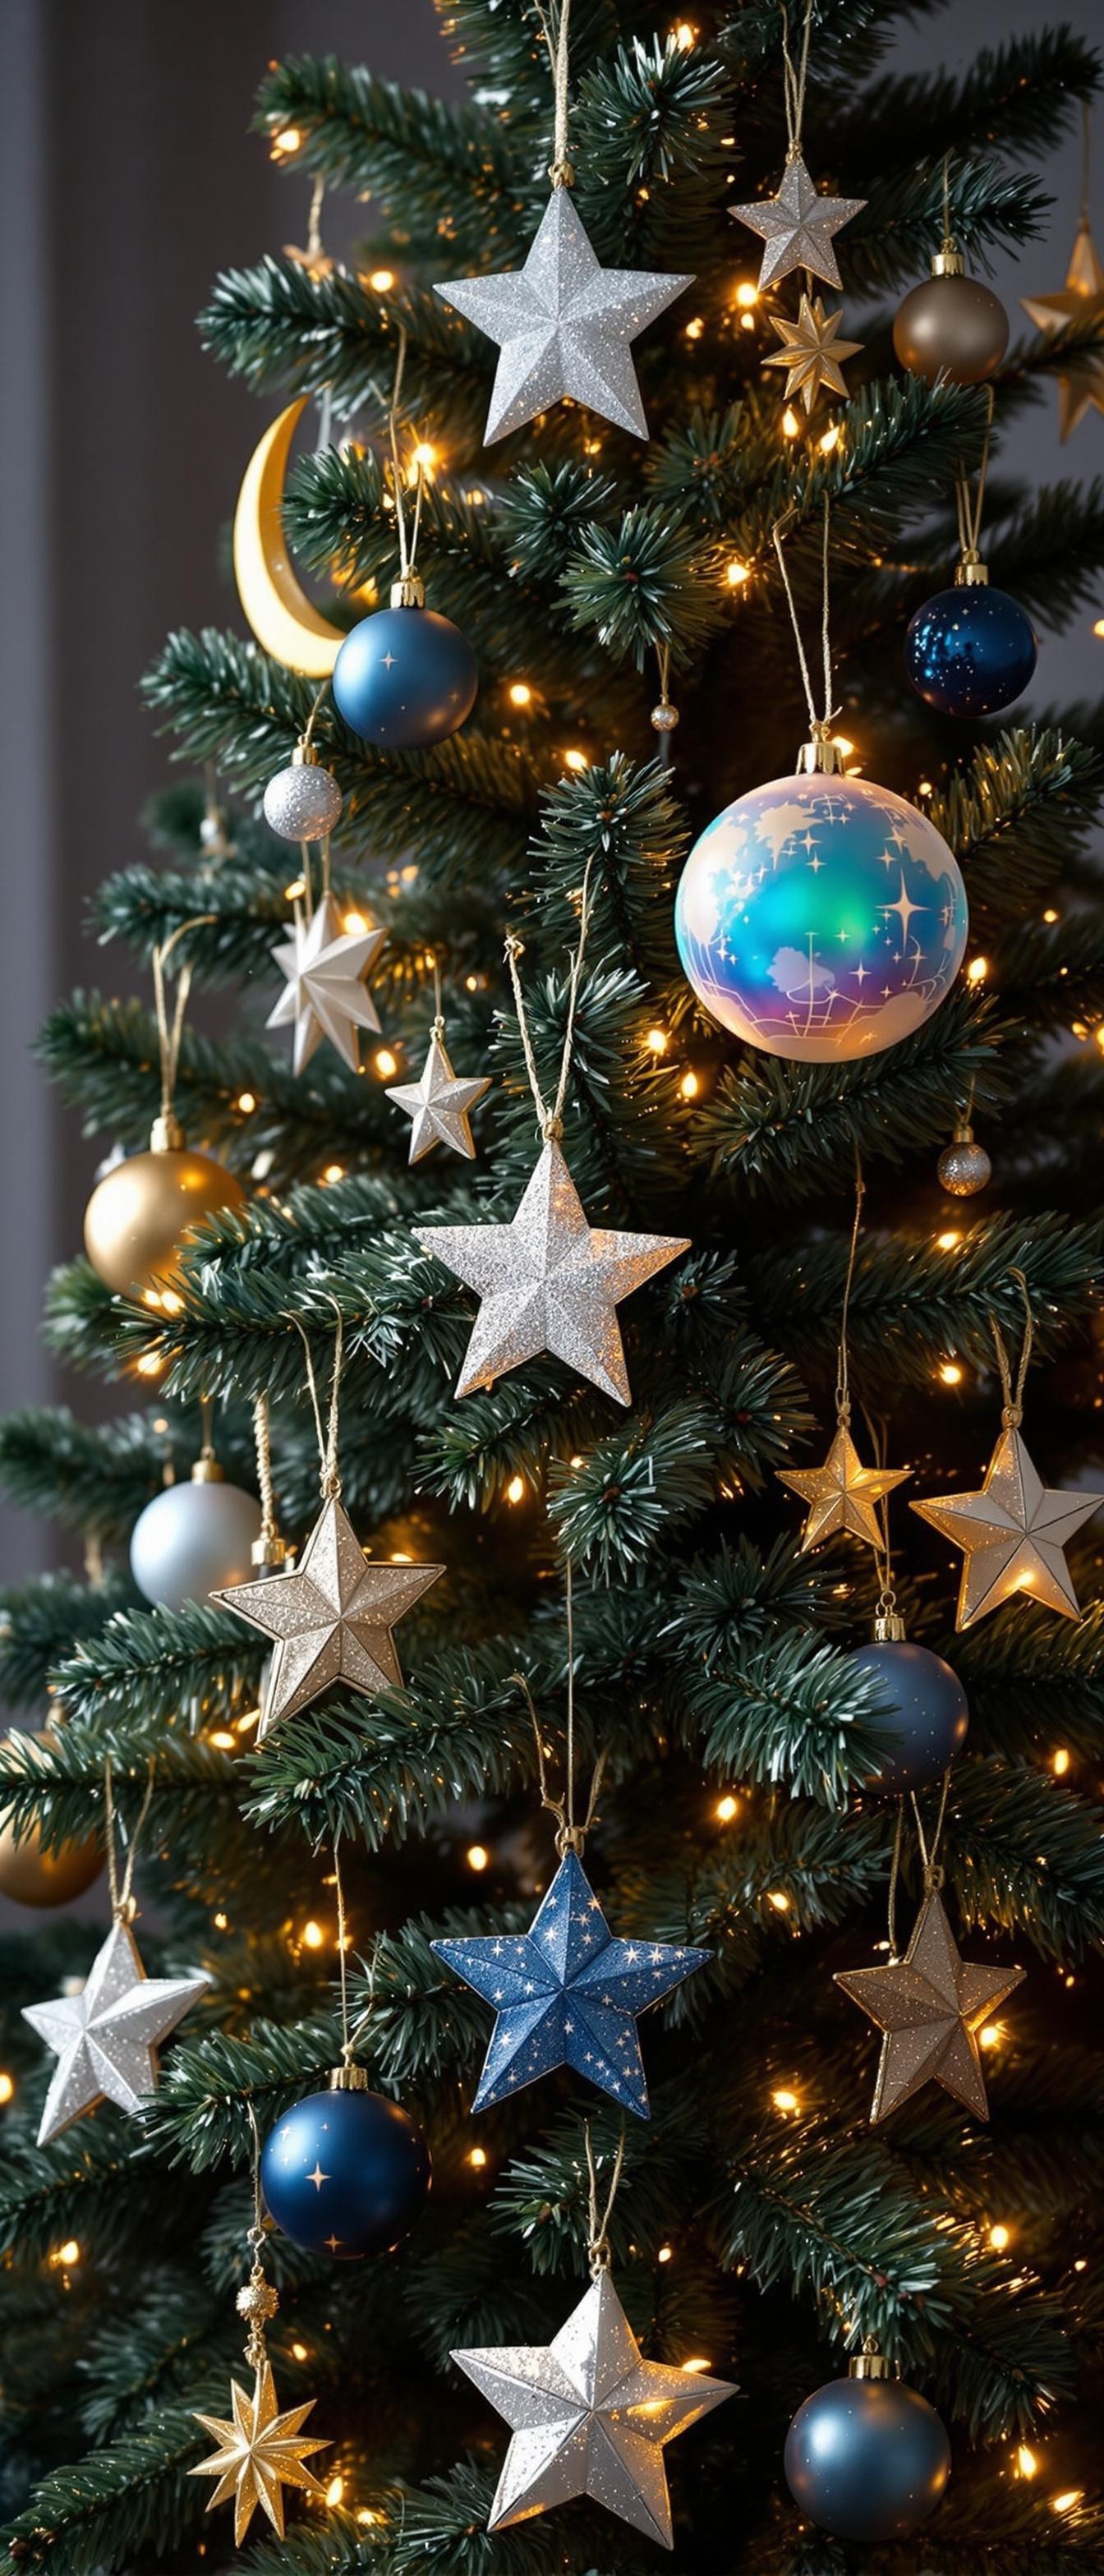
(127, 180)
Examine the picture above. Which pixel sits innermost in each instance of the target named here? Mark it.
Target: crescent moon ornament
(283, 619)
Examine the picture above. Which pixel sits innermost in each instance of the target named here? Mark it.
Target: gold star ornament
(930, 2006)
(1013, 1534)
(811, 351)
(331, 1619)
(1081, 382)
(259, 2452)
(843, 1494)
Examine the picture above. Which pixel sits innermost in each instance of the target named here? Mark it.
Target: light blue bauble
(405, 678)
(193, 1539)
(821, 918)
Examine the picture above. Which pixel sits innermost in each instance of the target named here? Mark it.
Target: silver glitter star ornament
(797, 226)
(105, 2038)
(549, 1282)
(438, 1105)
(331, 1619)
(1013, 1533)
(589, 2417)
(930, 2006)
(325, 966)
(564, 325)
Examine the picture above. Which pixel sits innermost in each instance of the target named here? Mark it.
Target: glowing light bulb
(843, 745)
(576, 760)
(354, 923)
(333, 1172)
(666, 2254)
(746, 294)
(246, 1101)
(1065, 2502)
(151, 1364)
(478, 1857)
(520, 693)
(1050, 915)
(335, 2490)
(221, 1921)
(477, 2157)
(382, 280)
(999, 2238)
(736, 573)
(695, 328)
(831, 439)
(1098, 626)
(313, 1936)
(785, 2100)
(689, 1086)
(991, 2035)
(657, 1041)
(7, 2086)
(1026, 2463)
(726, 1808)
(778, 1898)
(293, 891)
(64, 2256)
(287, 139)
(950, 1373)
(1060, 1762)
(299, 2351)
(223, 1739)
(515, 1490)
(791, 425)
(977, 970)
(424, 455)
(685, 35)
(699, 2361)
(948, 1239)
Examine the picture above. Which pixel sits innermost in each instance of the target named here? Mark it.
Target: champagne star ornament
(259, 2450)
(564, 324)
(325, 966)
(843, 1495)
(331, 1616)
(588, 2416)
(811, 351)
(798, 226)
(1015, 1531)
(930, 2006)
(438, 1105)
(1081, 382)
(106, 2037)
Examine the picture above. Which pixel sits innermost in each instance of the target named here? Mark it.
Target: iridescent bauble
(821, 918)
(31, 1876)
(405, 678)
(928, 1714)
(345, 2173)
(951, 326)
(867, 2459)
(192, 1539)
(139, 1217)
(964, 1165)
(970, 650)
(303, 802)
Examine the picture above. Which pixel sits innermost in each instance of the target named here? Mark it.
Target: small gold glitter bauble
(140, 1216)
(665, 717)
(964, 1165)
(31, 1876)
(257, 2299)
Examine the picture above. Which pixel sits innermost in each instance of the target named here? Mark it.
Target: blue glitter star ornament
(567, 1994)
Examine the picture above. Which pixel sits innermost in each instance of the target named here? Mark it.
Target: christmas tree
(678, 1662)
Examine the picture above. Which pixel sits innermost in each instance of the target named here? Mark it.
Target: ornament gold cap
(166, 1134)
(304, 755)
(970, 569)
(349, 2079)
(820, 754)
(871, 2364)
(889, 1628)
(269, 1551)
(963, 1134)
(408, 591)
(207, 1470)
(949, 261)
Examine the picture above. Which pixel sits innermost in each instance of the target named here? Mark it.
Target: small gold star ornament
(811, 351)
(1013, 1534)
(843, 1494)
(930, 2006)
(1081, 382)
(260, 2452)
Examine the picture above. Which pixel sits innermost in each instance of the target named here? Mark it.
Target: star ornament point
(588, 2416)
(325, 995)
(105, 2038)
(566, 1993)
(1013, 1534)
(930, 2006)
(548, 1281)
(438, 1105)
(843, 1494)
(259, 2452)
(331, 1618)
(1081, 383)
(564, 325)
(798, 226)
(811, 351)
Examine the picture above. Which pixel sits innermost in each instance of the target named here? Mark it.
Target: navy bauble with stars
(866, 2458)
(405, 677)
(970, 650)
(927, 1714)
(345, 2172)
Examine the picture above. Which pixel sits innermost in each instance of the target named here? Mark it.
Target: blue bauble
(930, 1714)
(405, 678)
(821, 918)
(970, 650)
(345, 2173)
(867, 2459)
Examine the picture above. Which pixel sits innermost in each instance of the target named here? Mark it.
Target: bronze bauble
(31, 1876)
(951, 326)
(139, 1217)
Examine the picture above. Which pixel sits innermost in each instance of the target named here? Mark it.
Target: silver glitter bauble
(302, 803)
(665, 717)
(191, 1539)
(964, 1166)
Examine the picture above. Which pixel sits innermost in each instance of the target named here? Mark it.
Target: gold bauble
(140, 1216)
(31, 1876)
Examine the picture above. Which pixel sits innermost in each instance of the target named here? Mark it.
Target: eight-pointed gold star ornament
(331, 1619)
(843, 1494)
(1081, 381)
(811, 350)
(930, 2006)
(1013, 1534)
(259, 2452)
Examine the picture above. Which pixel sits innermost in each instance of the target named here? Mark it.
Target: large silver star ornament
(797, 227)
(439, 1106)
(331, 1619)
(549, 1282)
(1014, 1534)
(564, 325)
(589, 2417)
(325, 997)
(105, 2039)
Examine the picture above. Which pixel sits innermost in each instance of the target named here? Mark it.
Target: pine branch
(1023, 92)
(381, 141)
(43, 1621)
(1033, 1683)
(1026, 803)
(97, 1478)
(283, 329)
(133, 2494)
